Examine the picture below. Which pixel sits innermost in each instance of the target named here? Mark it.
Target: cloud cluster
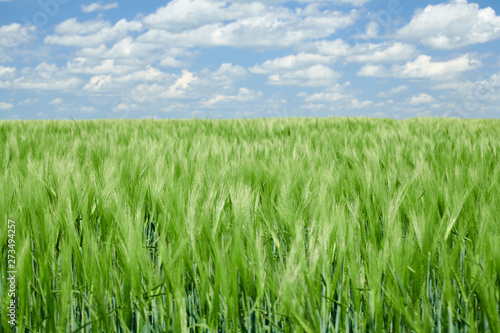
(98, 6)
(306, 46)
(452, 25)
(91, 33)
(243, 95)
(424, 68)
(12, 38)
(190, 23)
(6, 106)
(45, 76)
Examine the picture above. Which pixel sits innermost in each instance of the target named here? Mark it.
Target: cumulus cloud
(331, 94)
(130, 51)
(423, 68)
(243, 95)
(290, 62)
(149, 74)
(91, 33)
(325, 97)
(98, 6)
(471, 97)
(88, 109)
(303, 69)
(228, 73)
(14, 36)
(393, 91)
(181, 84)
(357, 104)
(98, 83)
(154, 91)
(337, 97)
(383, 52)
(421, 99)
(45, 76)
(313, 76)
(83, 65)
(7, 72)
(452, 25)
(125, 106)
(389, 51)
(340, 2)
(237, 25)
(5, 106)
(56, 101)
(29, 101)
(299, 69)
(179, 15)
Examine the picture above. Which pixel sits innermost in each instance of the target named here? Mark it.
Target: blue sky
(69, 59)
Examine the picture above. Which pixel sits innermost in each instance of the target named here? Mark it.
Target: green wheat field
(262, 225)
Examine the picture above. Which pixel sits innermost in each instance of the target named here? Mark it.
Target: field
(277, 225)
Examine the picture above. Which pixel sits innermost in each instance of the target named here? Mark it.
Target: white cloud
(470, 97)
(325, 97)
(5, 106)
(125, 106)
(384, 52)
(170, 62)
(421, 99)
(7, 72)
(91, 33)
(290, 62)
(393, 91)
(244, 95)
(56, 101)
(13, 37)
(332, 94)
(131, 52)
(227, 73)
(15, 34)
(424, 68)
(43, 77)
(97, 83)
(303, 69)
(352, 2)
(124, 48)
(371, 30)
(72, 26)
(373, 70)
(29, 101)
(150, 74)
(181, 84)
(335, 98)
(340, 2)
(226, 23)
(357, 104)
(336, 48)
(313, 76)
(88, 109)
(275, 27)
(110, 77)
(452, 25)
(150, 92)
(365, 52)
(98, 6)
(179, 15)
(82, 65)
